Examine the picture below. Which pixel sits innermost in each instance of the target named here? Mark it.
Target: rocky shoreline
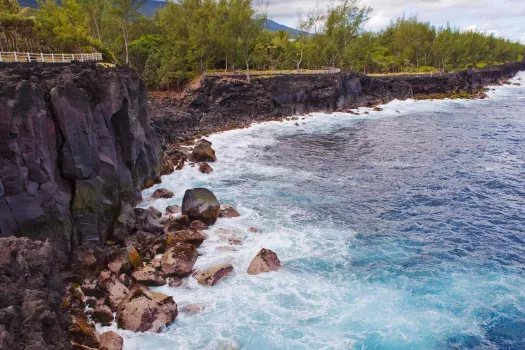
(216, 104)
(77, 147)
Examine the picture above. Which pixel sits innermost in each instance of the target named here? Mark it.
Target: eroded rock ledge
(217, 104)
(75, 147)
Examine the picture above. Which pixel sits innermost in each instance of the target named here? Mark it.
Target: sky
(504, 18)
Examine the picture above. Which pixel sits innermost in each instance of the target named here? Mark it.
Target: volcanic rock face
(31, 291)
(224, 103)
(75, 146)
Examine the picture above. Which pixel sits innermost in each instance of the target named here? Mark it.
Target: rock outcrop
(179, 260)
(146, 311)
(265, 261)
(75, 147)
(213, 275)
(31, 290)
(201, 204)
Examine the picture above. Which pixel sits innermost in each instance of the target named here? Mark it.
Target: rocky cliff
(75, 147)
(222, 103)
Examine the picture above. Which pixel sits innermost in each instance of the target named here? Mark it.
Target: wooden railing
(49, 57)
(274, 72)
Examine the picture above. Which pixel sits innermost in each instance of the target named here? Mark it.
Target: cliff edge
(75, 147)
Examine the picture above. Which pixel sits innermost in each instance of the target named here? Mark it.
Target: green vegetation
(188, 37)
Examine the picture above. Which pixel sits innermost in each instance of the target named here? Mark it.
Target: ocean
(398, 229)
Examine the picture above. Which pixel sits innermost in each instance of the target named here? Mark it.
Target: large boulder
(201, 204)
(124, 260)
(193, 237)
(227, 211)
(205, 168)
(168, 165)
(148, 276)
(179, 260)
(162, 193)
(115, 291)
(31, 291)
(213, 275)
(146, 311)
(264, 261)
(203, 152)
(177, 224)
(102, 315)
(111, 341)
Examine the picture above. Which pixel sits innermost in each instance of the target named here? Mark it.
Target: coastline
(111, 247)
(228, 142)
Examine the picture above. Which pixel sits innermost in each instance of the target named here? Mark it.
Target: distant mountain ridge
(151, 6)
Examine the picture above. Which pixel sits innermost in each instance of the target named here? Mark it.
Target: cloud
(502, 17)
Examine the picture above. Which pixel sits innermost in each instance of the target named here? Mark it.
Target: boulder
(162, 193)
(115, 291)
(213, 275)
(191, 309)
(103, 315)
(124, 260)
(83, 332)
(168, 166)
(203, 152)
(198, 225)
(148, 221)
(173, 209)
(156, 212)
(177, 224)
(149, 277)
(179, 260)
(146, 311)
(111, 341)
(144, 243)
(227, 211)
(92, 290)
(264, 261)
(193, 237)
(201, 204)
(205, 168)
(253, 230)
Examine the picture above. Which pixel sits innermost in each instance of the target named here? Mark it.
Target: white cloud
(504, 17)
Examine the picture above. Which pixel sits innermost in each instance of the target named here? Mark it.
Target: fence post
(42, 57)
(16, 57)
(28, 57)
(53, 57)
(63, 58)
(1, 58)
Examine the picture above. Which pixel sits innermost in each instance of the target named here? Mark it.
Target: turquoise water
(401, 229)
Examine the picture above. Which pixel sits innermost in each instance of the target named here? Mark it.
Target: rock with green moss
(201, 204)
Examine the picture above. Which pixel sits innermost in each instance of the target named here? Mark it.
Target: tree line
(185, 38)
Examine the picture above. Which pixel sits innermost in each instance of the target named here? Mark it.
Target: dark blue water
(397, 231)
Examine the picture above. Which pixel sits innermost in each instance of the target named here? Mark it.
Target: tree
(126, 11)
(247, 25)
(95, 9)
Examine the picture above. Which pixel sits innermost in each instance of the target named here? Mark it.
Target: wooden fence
(274, 72)
(49, 57)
